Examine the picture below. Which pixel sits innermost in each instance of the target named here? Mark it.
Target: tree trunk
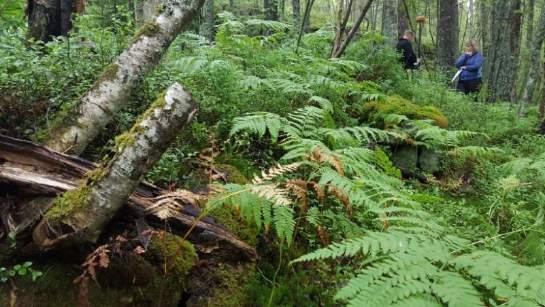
(343, 14)
(524, 59)
(484, 10)
(344, 44)
(80, 215)
(49, 18)
(271, 9)
(304, 23)
(111, 91)
(207, 27)
(515, 25)
(403, 18)
(447, 33)
(501, 61)
(31, 176)
(535, 66)
(389, 20)
(296, 8)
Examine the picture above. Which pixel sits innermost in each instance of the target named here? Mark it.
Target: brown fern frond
(272, 193)
(343, 198)
(274, 172)
(299, 187)
(169, 204)
(320, 156)
(320, 192)
(323, 235)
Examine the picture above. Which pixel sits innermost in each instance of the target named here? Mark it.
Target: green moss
(97, 174)
(173, 253)
(231, 286)
(148, 29)
(375, 111)
(129, 138)
(68, 202)
(227, 216)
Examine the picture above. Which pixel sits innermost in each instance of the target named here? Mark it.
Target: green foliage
(19, 270)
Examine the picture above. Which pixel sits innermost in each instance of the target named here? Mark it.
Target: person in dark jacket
(471, 63)
(404, 46)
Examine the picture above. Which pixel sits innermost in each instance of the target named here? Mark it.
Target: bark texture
(50, 18)
(110, 92)
(389, 20)
(501, 61)
(535, 66)
(447, 33)
(100, 198)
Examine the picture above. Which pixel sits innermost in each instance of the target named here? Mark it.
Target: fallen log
(31, 175)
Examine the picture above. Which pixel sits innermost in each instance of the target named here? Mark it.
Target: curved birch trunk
(111, 91)
(80, 214)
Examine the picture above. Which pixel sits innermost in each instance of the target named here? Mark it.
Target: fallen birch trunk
(73, 132)
(30, 172)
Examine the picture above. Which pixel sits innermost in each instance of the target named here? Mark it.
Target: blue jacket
(473, 64)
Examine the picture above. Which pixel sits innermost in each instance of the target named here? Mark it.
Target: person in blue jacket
(471, 64)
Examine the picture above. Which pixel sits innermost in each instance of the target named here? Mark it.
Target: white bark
(111, 91)
(105, 195)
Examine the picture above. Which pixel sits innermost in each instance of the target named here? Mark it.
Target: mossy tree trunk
(81, 214)
(535, 66)
(74, 131)
(296, 8)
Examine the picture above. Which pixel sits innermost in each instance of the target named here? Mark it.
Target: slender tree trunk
(296, 8)
(447, 33)
(343, 14)
(304, 23)
(110, 92)
(389, 20)
(514, 44)
(524, 59)
(80, 215)
(484, 10)
(49, 18)
(353, 30)
(535, 66)
(207, 27)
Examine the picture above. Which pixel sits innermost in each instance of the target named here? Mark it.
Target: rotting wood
(52, 172)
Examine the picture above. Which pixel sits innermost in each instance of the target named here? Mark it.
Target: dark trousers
(469, 86)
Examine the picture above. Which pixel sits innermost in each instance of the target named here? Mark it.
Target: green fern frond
(259, 123)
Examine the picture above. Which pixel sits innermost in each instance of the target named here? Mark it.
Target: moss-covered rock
(175, 255)
(376, 110)
(230, 218)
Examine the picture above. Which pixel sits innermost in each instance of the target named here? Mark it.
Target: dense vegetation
(357, 183)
